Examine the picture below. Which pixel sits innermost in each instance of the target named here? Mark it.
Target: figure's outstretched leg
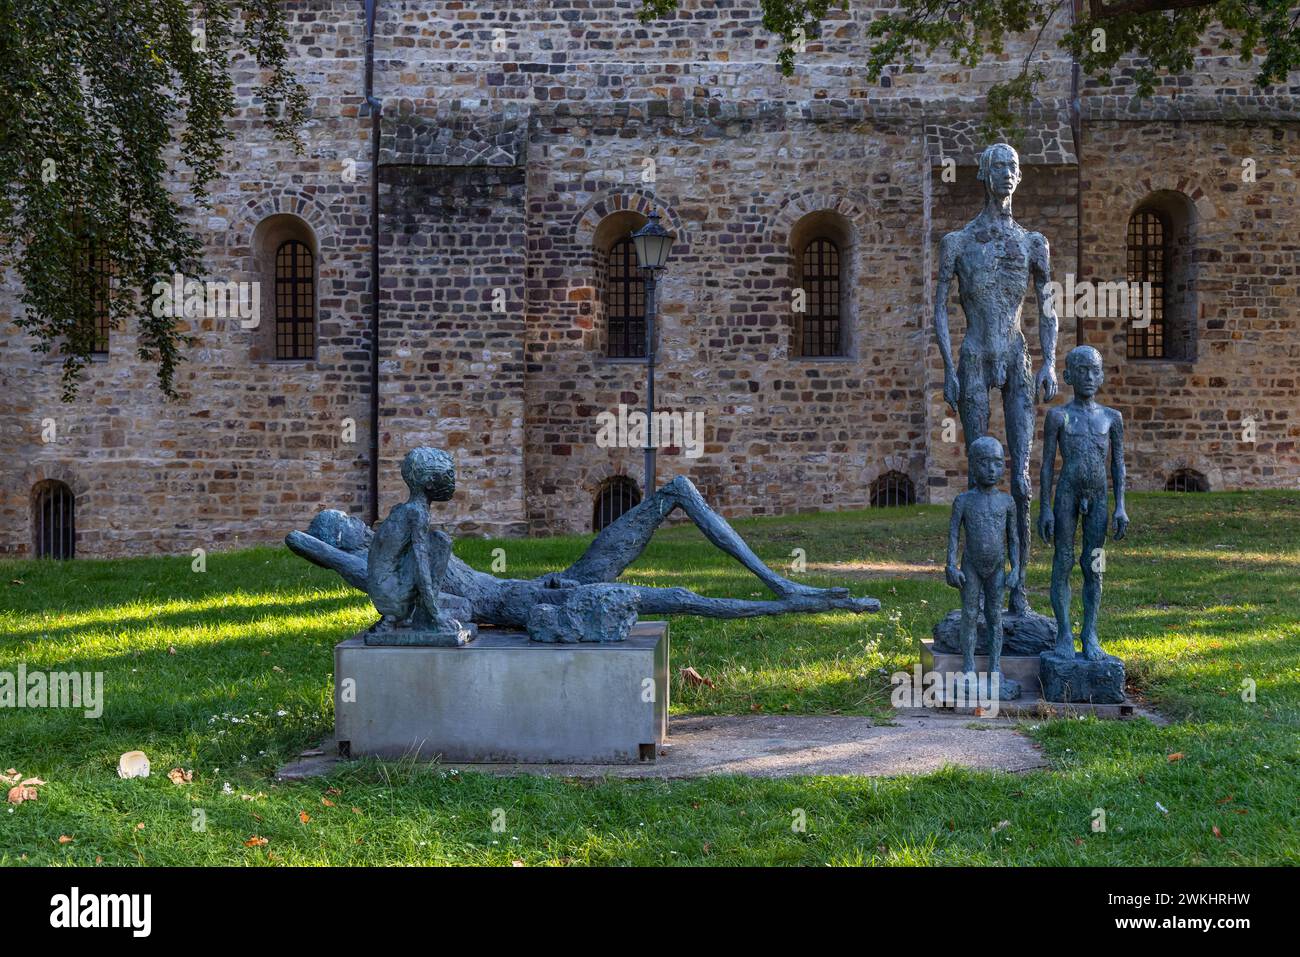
(621, 543)
(1067, 517)
(1018, 404)
(682, 601)
(1094, 540)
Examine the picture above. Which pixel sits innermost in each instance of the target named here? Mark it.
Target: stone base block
(505, 699)
(1078, 679)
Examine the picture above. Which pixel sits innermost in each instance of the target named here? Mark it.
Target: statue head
(430, 472)
(987, 461)
(345, 532)
(999, 170)
(1084, 371)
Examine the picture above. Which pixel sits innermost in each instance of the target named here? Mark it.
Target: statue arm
(1048, 323)
(947, 269)
(954, 574)
(431, 550)
(1117, 471)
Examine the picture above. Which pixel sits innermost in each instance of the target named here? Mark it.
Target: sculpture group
(426, 596)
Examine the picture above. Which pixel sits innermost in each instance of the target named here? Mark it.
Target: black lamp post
(652, 243)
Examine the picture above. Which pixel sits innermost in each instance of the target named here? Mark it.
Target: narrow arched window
(615, 497)
(891, 490)
(54, 526)
(1187, 480)
(93, 278)
(1148, 262)
(624, 302)
(820, 278)
(295, 301)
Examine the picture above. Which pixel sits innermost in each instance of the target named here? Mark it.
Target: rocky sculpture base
(426, 637)
(1077, 679)
(601, 612)
(1028, 634)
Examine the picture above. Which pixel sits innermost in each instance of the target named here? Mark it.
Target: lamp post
(652, 243)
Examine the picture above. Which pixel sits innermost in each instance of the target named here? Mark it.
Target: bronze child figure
(407, 561)
(988, 516)
(1087, 435)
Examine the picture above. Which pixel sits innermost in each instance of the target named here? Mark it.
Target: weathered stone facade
(520, 139)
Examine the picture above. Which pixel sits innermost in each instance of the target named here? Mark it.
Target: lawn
(228, 673)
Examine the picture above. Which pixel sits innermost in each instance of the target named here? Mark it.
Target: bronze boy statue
(1087, 434)
(988, 516)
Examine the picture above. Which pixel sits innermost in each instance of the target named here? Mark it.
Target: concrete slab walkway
(784, 745)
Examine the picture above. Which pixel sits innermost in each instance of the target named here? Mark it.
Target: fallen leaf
(10, 777)
(133, 764)
(755, 707)
(1176, 756)
(1161, 808)
(171, 649)
(334, 791)
(17, 581)
(1000, 825)
(180, 776)
(98, 859)
(31, 782)
(707, 847)
(693, 677)
(140, 826)
(1078, 841)
(516, 863)
(19, 794)
(1240, 810)
(327, 802)
(1227, 800)
(64, 839)
(304, 817)
(356, 810)
(257, 817)
(1217, 832)
(256, 841)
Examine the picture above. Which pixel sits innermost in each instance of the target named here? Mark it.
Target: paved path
(782, 745)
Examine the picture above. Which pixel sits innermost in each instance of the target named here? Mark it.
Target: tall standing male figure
(994, 259)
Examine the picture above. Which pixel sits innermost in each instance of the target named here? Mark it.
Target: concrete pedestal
(505, 699)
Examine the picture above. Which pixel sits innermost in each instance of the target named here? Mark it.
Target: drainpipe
(1076, 130)
(376, 109)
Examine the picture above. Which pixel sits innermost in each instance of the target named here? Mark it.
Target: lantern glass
(653, 244)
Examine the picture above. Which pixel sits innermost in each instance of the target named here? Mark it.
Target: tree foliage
(1164, 36)
(103, 105)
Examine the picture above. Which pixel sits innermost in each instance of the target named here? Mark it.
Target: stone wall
(503, 153)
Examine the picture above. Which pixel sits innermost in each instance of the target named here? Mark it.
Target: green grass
(228, 673)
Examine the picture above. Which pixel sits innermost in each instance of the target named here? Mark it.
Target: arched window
(1160, 245)
(820, 278)
(1147, 261)
(1187, 480)
(892, 489)
(295, 301)
(624, 302)
(615, 497)
(54, 526)
(286, 261)
(94, 273)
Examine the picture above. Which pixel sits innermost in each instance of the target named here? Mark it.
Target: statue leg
(1066, 515)
(682, 601)
(620, 544)
(1018, 405)
(1094, 539)
(973, 407)
(993, 618)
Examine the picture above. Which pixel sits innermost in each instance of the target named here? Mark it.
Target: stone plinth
(1077, 679)
(505, 699)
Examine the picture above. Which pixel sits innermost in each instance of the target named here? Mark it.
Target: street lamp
(652, 244)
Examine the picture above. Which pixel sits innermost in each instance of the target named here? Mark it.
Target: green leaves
(100, 102)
